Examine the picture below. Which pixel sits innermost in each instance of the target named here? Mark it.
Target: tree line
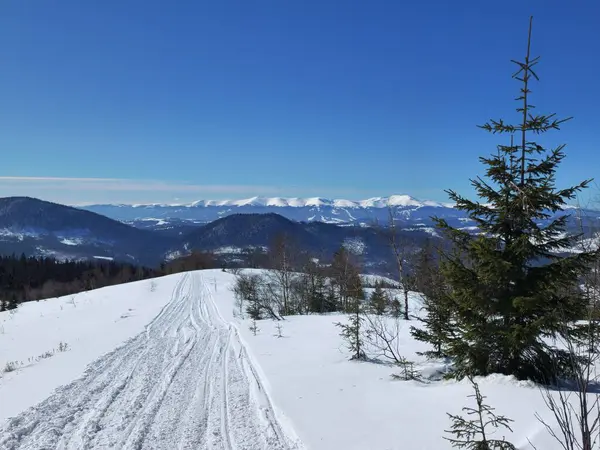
(24, 279)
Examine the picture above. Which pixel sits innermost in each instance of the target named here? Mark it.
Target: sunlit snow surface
(188, 373)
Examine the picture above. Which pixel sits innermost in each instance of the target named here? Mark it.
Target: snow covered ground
(334, 403)
(173, 367)
(90, 324)
(186, 381)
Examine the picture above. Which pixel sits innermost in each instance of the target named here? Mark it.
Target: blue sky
(156, 101)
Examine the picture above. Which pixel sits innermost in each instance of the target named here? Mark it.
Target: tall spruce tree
(509, 288)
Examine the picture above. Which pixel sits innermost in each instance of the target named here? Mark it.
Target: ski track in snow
(186, 382)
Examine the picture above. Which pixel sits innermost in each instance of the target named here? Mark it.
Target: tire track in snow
(186, 382)
(245, 385)
(225, 429)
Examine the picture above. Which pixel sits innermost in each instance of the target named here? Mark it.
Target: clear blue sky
(142, 101)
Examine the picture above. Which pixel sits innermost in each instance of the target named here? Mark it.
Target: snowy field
(187, 373)
(90, 324)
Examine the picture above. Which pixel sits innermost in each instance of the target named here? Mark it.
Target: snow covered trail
(186, 382)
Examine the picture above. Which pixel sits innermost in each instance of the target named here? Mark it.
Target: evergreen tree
(313, 284)
(435, 314)
(346, 277)
(474, 433)
(508, 286)
(437, 326)
(331, 301)
(396, 308)
(254, 307)
(12, 303)
(317, 300)
(378, 300)
(352, 332)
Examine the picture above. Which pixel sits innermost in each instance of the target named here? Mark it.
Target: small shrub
(279, 329)
(254, 327)
(474, 431)
(46, 355)
(11, 366)
(408, 371)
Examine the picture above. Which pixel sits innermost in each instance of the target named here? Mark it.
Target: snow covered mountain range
(339, 211)
(374, 202)
(296, 202)
(408, 212)
(148, 234)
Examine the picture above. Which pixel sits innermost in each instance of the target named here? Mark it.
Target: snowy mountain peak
(295, 202)
(316, 201)
(341, 203)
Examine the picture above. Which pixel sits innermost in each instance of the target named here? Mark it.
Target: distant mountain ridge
(40, 228)
(295, 202)
(177, 219)
(337, 211)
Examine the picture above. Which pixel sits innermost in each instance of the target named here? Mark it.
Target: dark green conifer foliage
(508, 288)
(352, 331)
(435, 312)
(378, 300)
(478, 430)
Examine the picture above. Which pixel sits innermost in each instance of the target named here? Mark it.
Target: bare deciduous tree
(253, 295)
(381, 336)
(403, 253)
(576, 408)
(281, 275)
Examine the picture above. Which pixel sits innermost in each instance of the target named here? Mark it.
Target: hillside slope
(239, 231)
(37, 227)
